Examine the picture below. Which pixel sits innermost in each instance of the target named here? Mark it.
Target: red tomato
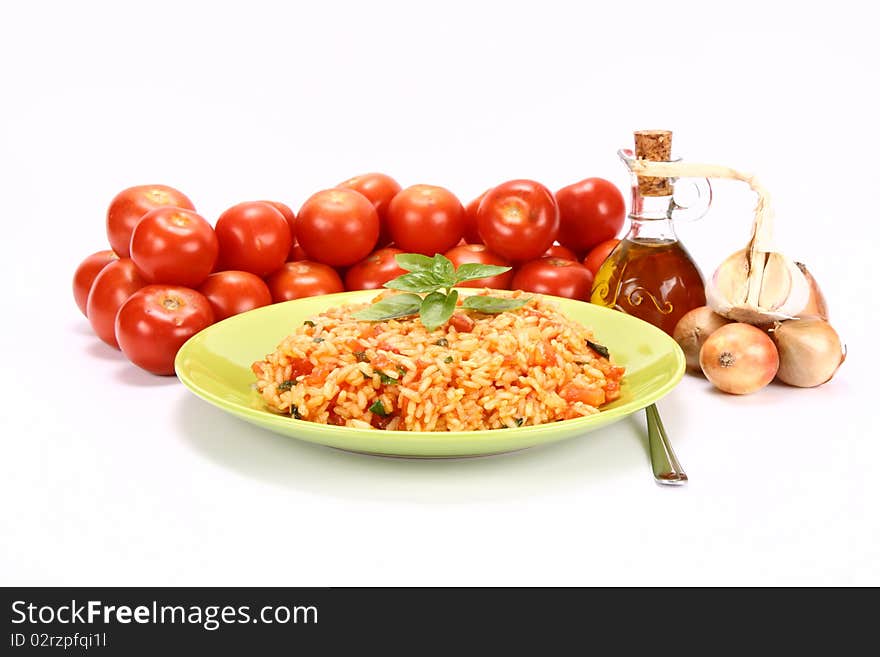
(426, 219)
(590, 211)
(379, 190)
(518, 219)
(374, 271)
(285, 210)
(129, 205)
(577, 393)
(234, 292)
(254, 237)
(113, 285)
(174, 246)
(303, 279)
(291, 222)
(337, 227)
(297, 253)
(85, 275)
(598, 255)
(562, 278)
(559, 251)
(480, 253)
(155, 321)
(471, 232)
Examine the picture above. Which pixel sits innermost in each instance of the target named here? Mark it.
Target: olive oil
(653, 279)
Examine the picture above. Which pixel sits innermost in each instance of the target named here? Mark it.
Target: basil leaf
(493, 305)
(599, 349)
(437, 308)
(286, 385)
(387, 380)
(378, 409)
(443, 269)
(400, 305)
(471, 271)
(416, 281)
(414, 262)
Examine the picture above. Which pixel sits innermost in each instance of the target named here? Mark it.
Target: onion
(739, 359)
(692, 330)
(816, 304)
(809, 351)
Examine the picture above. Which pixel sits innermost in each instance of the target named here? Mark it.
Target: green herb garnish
(378, 409)
(317, 339)
(294, 412)
(286, 385)
(442, 342)
(361, 357)
(435, 277)
(492, 305)
(519, 421)
(599, 349)
(448, 359)
(387, 380)
(309, 322)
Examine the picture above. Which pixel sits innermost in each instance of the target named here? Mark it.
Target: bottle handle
(696, 208)
(684, 212)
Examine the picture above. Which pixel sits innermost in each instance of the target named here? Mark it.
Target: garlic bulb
(758, 288)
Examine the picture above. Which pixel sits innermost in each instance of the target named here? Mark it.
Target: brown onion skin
(693, 329)
(816, 305)
(810, 351)
(739, 359)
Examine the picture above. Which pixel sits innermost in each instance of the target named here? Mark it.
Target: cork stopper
(655, 145)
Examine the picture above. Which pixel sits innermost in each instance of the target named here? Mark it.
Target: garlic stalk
(757, 285)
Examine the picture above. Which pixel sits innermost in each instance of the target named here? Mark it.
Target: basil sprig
(435, 277)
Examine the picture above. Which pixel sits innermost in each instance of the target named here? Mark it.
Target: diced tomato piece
(381, 363)
(318, 375)
(543, 354)
(615, 373)
(612, 390)
(576, 393)
(462, 323)
(371, 332)
(335, 419)
(300, 366)
(384, 346)
(354, 345)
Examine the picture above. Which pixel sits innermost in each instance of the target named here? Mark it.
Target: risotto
(523, 367)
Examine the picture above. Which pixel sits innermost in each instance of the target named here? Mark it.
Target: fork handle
(667, 470)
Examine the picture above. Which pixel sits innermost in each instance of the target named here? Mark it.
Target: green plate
(215, 365)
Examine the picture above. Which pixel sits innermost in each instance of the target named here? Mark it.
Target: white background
(112, 476)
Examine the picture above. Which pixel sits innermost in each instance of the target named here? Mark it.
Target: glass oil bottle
(650, 274)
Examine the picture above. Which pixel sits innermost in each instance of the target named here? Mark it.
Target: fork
(667, 470)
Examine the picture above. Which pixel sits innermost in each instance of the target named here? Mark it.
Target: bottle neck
(650, 217)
